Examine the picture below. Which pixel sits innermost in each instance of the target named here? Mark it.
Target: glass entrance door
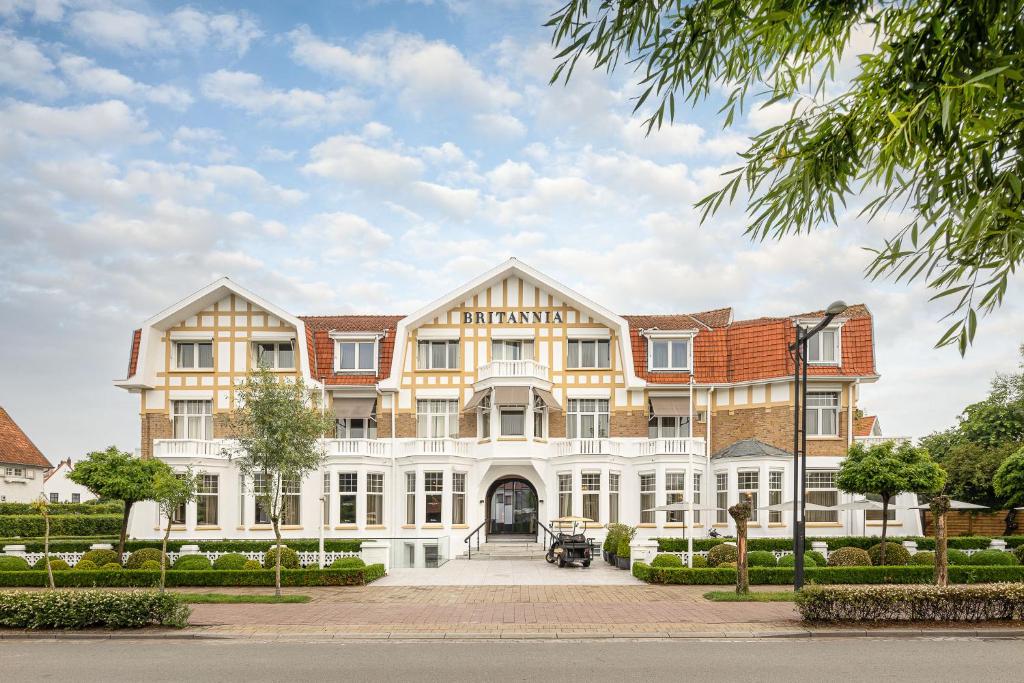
(513, 508)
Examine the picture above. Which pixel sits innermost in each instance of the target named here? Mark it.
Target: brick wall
(383, 425)
(467, 424)
(628, 424)
(405, 425)
(222, 426)
(773, 426)
(556, 424)
(154, 426)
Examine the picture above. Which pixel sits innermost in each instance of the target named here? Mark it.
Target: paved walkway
(509, 573)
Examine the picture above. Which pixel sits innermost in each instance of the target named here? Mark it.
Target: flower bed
(825, 575)
(84, 609)
(139, 578)
(917, 603)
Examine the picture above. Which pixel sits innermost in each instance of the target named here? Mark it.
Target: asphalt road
(854, 659)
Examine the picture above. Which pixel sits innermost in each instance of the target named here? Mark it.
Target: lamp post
(798, 349)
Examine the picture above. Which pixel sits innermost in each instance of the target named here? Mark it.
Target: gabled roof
(865, 426)
(63, 464)
(15, 446)
(751, 448)
(321, 346)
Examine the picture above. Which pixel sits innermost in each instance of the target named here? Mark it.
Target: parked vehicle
(571, 548)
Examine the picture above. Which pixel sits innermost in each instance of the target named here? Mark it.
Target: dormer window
(823, 348)
(668, 354)
(193, 355)
(356, 355)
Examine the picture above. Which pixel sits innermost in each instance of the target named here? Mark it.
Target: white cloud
(24, 66)
(348, 158)
(275, 154)
(345, 236)
(294, 107)
(41, 10)
(253, 181)
(310, 51)
(502, 125)
(459, 204)
(185, 28)
(102, 123)
(86, 76)
(510, 177)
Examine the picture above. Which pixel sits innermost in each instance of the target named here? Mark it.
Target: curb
(524, 635)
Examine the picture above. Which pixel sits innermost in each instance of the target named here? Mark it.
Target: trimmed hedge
(143, 555)
(138, 578)
(289, 558)
(193, 563)
(849, 557)
(231, 561)
(920, 603)
(722, 553)
(86, 565)
(100, 557)
(990, 558)
(115, 508)
(809, 560)
(84, 609)
(667, 561)
(150, 566)
(80, 545)
(61, 525)
(925, 557)
(347, 563)
(761, 558)
(1019, 553)
(10, 563)
(895, 554)
(56, 564)
(826, 575)
(678, 545)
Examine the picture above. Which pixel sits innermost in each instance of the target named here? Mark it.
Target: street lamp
(799, 351)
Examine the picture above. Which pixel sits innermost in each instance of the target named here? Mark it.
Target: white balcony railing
(435, 447)
(513, 368)
(372, 447)
(190, 447)
(875, 440)
(587, 447)
(680, 446)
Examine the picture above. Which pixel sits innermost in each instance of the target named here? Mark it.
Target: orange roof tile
(863, 426)
(321, 346)
(15, 446)
(133, 355)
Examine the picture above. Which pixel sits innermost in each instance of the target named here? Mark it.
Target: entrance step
(507, 549)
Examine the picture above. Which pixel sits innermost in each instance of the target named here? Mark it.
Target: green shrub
(622, 550)
(289, 558)
(60, 525)
(809, 560)
(1018, 552)
(150, 566)
(923, 557)
(992, 558)
(142, 578)
(667, 561)
(231, 561)
(192, 563)
(111, 566)
(700, 562)
(347, 563)
(954, 556)
(80, 544)
(761, 558)
(849, 557)
(12, 563)
(86, 564)
(895, 554)
(100, 557)
(84, 609)
(675, 545)
(818, 558)
(919, 603)
(56, 564)
(55, 509)
(251, 565)
(143, 555)
(725, 552)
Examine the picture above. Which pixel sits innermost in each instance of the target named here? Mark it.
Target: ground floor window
(613, 497)
(433, 487)
(696, 497)
(591, 487)
(675, 492)
(348, 487)
(564, 495)
(374, 498)
(327, 498)
(876, 515)
(775, 495)
(410, 497)
(259, 489)
(648, 489)
(53, 497)
(76, 497)
(291, 499)
(206, 500)
(458, 497)
(722, 498)
(821, 490)
(747, 483)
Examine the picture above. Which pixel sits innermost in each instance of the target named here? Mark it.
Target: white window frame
(209, 487)
(540, 418)
(564, 494)
(697, 479)
(816, 485)
(511, 410)
(648, 496)
(425, 426)
(426, 361)
(676, 493)
(590, 486)
(433, 487)
(775, 493)
(484, 430)
(194, 343)
(660, 424)
(614, 480)
(375, 491)
(275, 355)
(458, 498)
(410, 498)
(343, 426)
(205, 423)
(355, 342)
(574, 414)
(670, 366)
(348, 488)
(722, 497)
(578, 344)
(820, 410)
(501, 347)
(816, 345)
(754, 491)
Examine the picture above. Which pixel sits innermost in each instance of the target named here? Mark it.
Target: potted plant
(622, 549)
(612, 542)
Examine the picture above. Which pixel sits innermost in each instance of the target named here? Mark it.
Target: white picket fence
(779, 554)
(306, 558)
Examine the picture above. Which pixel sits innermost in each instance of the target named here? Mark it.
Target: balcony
(875, 440)
(587, 447)
(178, 448)
(368, 447)
(434, 447)
(513, 369)
(680, 446)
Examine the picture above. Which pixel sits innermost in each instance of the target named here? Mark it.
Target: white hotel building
(509, 401)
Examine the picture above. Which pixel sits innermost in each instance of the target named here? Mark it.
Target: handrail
(475, 532)
(547, 532)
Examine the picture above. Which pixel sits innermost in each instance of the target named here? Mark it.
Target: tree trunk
(124, 531)
(163, 556)
(741, 514)
(46, 551)
(277, 563)
(885, 527)
(939, 506)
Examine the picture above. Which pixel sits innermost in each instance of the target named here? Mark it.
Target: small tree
(115, 474)
(740, 514)
(278, 428)
(940, 506)
(41, 506)
(1009, 479)
(888, 470)
(171, 490)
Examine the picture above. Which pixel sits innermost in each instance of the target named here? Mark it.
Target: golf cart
(570, 548)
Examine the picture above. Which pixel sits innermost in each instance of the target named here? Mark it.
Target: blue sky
(363, 157)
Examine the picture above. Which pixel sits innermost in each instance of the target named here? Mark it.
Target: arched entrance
(511, 507)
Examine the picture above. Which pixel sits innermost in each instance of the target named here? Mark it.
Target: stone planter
(622, 562)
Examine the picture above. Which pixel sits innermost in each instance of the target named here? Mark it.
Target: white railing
(307, 558)
(875, 440)
(587, 447)
(513, 368)
(190, 447)
(680, 446)
(435, 447)
(371, 447)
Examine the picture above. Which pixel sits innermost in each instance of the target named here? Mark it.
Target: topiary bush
(727, 565)
(143, 555)
(289, 558)
(761, 558)
(56, 564)
(231, 561)
(251, 565)
(818, 558)
(923, 557)
(726, 552)
(87, 565)
(849, 557)
(809, 560)
(100, 557)
(11, 563)
(664, 560)
(347, 563)
(111, 566)
(992, 558)
(150, 566)
(895, 554)
(700, 562)
(192, 563)
(1018, 552)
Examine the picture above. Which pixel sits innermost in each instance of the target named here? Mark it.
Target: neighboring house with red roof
(22, 465)
(58, 487)
(509, 399)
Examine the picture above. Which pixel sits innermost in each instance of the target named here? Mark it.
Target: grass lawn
(197, 598)
(764, 596)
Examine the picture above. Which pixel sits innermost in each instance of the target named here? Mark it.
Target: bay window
(206, 500)
(696, 497)
(564, 495)
(613, 497)
(437, 418)
(648, 489)
(589, 354)
(821, 490)
(374, 498)
(192, 419)
(433, 487)
(193, 355)
(327, 498)
(348, 487)
(591, 488)
(259, 489)
(775, 495)
(822, 413)
(876, 515)
(539, 411)
(437, 355)
(291, 500)
(485, 417)
(747, 482)
(675, 492)
(721, 498)
(357, 427)
(458, 497)
(410, 498)
(513, 421)
(586, 418)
